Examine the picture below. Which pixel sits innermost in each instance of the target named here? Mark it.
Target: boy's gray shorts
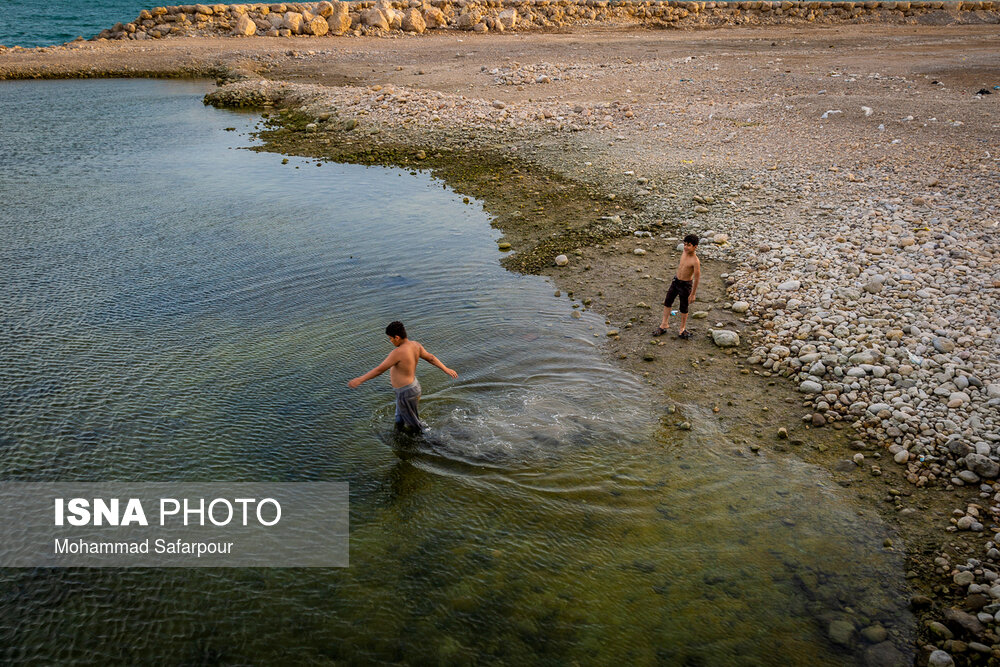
(407, 399)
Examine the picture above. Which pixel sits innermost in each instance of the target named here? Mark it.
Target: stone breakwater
(416, 16)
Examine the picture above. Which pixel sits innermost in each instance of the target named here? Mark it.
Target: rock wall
(415, 16)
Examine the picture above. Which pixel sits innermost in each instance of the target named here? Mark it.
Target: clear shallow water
(173, 309)
(46, 22)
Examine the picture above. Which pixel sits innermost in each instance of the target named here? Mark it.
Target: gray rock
(964, 620)
(875, 634)
(968, 477)
(940, 658)
(790, 286)
(725, 338)
(939, 630)
(884, 655)
(964, 578)
(982, 465)
(943, 345)
(875, 285)
(740, 307)
(841, 632)
(810, 387)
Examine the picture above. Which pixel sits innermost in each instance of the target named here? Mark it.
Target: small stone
(943, 345)
(612, 333)
(810, 387)
(684, 426)
(940, 658)
(783, 433)
(503, 245)
(639, 251)
(790, 286)
(840, 632)
(562, 260)
(901, 457)
(740, 307)
(963, 578)
(875, 634)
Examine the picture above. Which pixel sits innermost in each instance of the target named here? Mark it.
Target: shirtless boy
(402, 366)
(684, 285)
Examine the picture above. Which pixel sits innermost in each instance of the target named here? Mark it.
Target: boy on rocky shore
(402, 366)
(684, 285)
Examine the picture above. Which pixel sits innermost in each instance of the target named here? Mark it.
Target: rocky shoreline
(385, 17)
(847, 212)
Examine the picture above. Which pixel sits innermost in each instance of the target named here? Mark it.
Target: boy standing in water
(684, 285)
(402, 366)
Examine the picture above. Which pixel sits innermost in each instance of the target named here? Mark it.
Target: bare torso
(404, 371)
(687, 266)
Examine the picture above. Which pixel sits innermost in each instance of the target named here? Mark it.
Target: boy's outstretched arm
(427, 356)
(375, 372)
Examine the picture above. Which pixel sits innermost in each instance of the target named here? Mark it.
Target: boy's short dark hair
(691, 238)
(395, 329)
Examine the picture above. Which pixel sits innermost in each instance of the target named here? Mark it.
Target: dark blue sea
(43, 23)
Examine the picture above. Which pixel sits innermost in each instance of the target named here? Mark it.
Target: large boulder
(340, 20)
(393, 17)
(468, 20)
(317, 26)
(374, 18)
(413, 21)
(983, 466)
(245, 27)
(508, 18)
(434, 18)
(725, 338)
(292, 21)
(324, 9)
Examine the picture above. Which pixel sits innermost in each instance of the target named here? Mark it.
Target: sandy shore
(843, 180)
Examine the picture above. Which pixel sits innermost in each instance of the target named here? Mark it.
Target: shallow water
(177, 309)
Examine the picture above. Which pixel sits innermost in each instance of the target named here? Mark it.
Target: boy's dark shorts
(678, 288)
